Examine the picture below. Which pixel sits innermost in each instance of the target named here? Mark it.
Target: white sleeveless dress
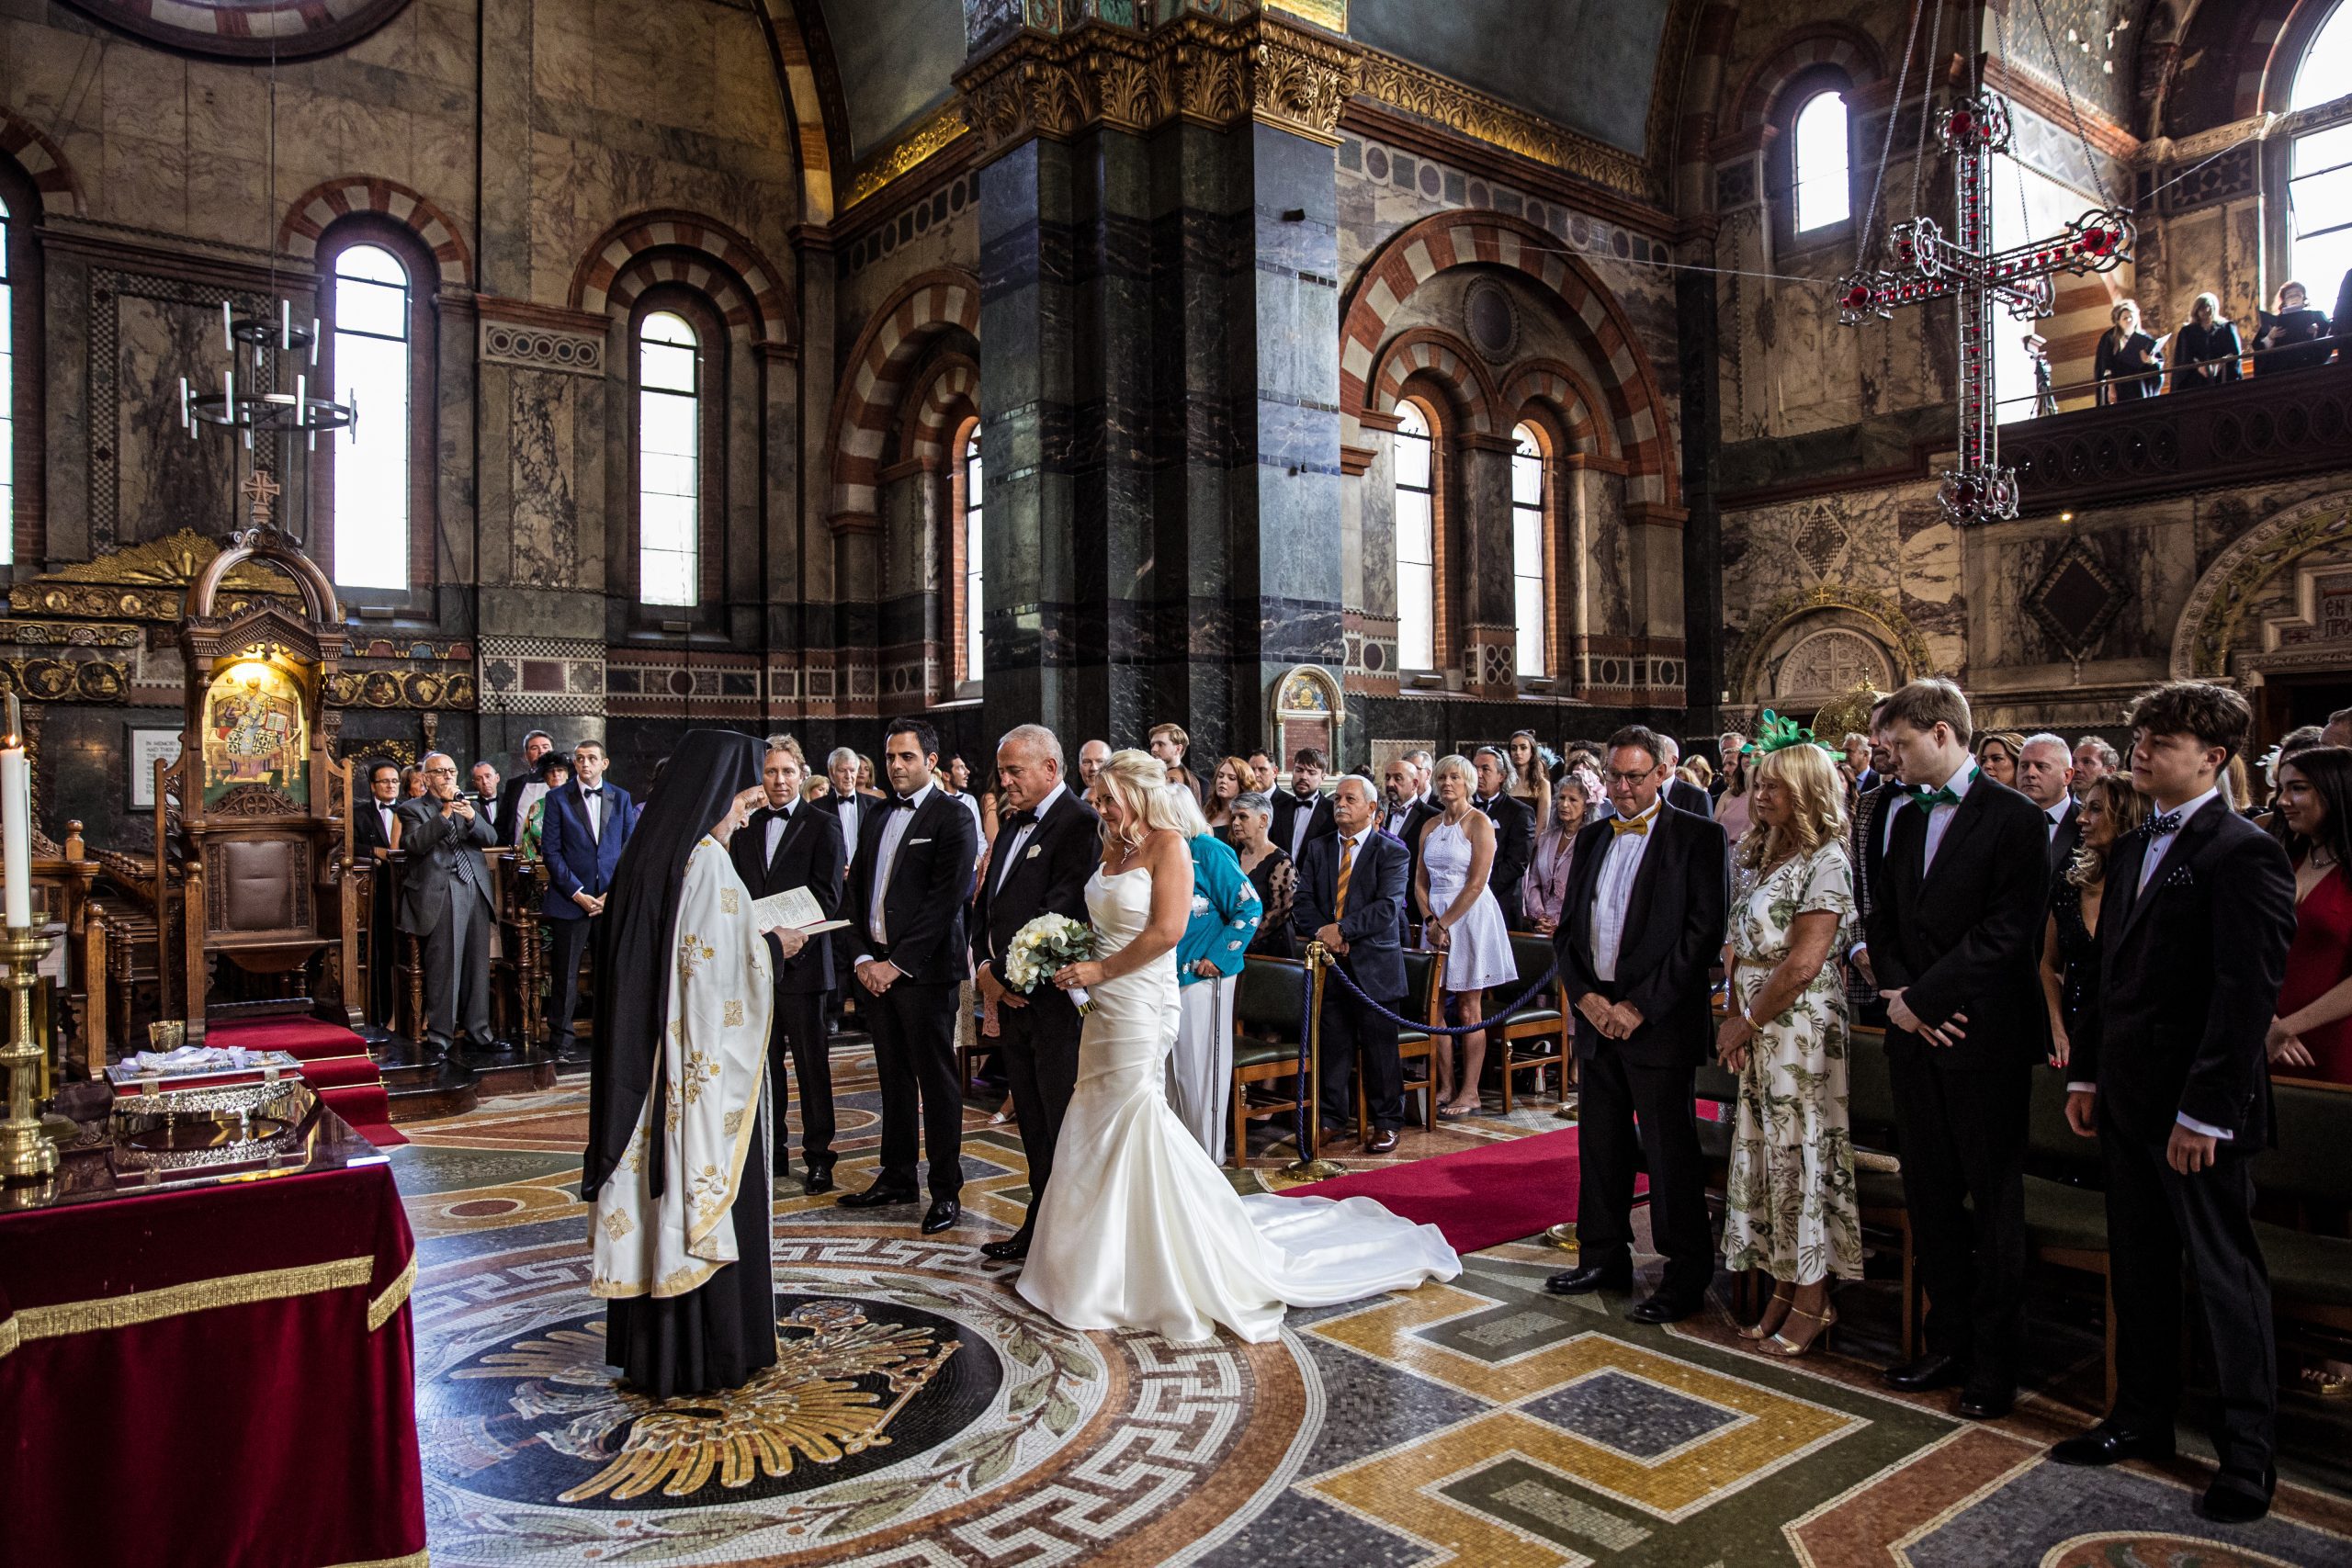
(1478, 950)
(1141, 1230)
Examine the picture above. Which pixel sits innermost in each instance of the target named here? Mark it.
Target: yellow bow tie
(1638, 825)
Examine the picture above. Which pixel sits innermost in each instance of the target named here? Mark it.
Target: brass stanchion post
(1310, 1166)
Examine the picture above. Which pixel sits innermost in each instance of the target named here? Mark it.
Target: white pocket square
(912, 843)
(1034, 849)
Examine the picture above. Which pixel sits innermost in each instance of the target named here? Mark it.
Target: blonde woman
(1139, 1228)
(1789, 1205)
(1463, 920)
(1532, 765)
(2206, 351)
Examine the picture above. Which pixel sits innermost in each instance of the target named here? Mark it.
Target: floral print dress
(1789, 1203)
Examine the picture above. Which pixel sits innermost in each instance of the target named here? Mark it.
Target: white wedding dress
(1141, 1230)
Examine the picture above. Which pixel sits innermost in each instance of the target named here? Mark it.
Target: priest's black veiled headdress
(637, 940)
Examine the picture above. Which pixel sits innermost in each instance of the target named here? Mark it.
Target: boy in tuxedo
(1956, 909)
(2169, 1074)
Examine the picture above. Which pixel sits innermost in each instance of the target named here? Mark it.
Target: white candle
(17, 824)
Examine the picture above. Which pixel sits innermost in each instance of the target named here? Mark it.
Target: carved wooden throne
(262, 807)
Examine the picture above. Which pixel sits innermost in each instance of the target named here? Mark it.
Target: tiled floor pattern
(923, 1414)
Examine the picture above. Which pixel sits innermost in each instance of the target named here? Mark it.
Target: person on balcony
(2205, 350)
(2129, 364)
(2295, 338)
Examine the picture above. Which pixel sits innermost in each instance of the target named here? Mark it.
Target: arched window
(2318, 165)
(669, 462)
(1527, 548)
(367, 307)
(7, 391)
(1416, 542)
(971, 584)
(1823, 184)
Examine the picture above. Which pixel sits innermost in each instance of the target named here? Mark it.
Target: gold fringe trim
(413, 1560)
(381, 1310)
(172, 1301)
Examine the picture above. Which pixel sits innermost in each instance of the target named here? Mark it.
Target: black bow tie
(895, 803)
(773, 814)
(596, 793)
(1018, 819)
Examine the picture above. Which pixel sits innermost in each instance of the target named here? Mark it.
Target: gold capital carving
(1197, 69)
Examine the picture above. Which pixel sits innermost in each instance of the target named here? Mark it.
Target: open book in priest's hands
(796, 908)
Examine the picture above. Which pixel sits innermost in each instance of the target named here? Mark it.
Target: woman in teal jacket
(1226, 912)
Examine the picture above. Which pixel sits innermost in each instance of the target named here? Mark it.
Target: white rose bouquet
(1043, 945)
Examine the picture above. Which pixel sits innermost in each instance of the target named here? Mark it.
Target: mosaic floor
(922, 1413)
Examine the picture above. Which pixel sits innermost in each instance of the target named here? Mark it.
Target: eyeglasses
(1617, 778)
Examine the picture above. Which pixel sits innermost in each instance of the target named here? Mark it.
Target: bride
(1139, 1229)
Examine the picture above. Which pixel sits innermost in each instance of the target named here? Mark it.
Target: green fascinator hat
(1774, 733)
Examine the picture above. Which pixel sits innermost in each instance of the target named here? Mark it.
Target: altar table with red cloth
(220, 1375)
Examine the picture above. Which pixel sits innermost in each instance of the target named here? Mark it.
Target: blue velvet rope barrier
(1319, 957)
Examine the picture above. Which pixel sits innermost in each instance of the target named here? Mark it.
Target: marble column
(1159, 345)
(1483, 590)
(1703, 634)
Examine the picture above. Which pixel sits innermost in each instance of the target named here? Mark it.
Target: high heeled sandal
(1789, 1349)
(1757, 1330)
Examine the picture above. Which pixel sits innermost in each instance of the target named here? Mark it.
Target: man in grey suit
(444, 903)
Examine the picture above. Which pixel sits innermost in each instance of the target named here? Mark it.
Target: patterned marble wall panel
(541, 675)
(673, 683)
(145, 478)
(544, 539)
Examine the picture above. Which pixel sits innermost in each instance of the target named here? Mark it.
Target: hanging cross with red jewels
(1930, 266)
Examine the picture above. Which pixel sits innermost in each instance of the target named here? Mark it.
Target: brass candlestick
(27, 1151)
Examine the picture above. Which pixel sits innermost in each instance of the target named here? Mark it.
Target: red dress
(2320, 958)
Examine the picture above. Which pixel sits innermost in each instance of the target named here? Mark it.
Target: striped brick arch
(1590, 313)
(805, 99)
(308, 219)
(1570, 397)
(43, 162)
(1824, 43)
(880, 368)
(950, 395)
(678, 247)
(1429, 353)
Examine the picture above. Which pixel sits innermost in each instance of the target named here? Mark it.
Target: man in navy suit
(1351, 898)
(581, 831)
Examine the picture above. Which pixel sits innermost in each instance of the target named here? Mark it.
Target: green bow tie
(1930, 798)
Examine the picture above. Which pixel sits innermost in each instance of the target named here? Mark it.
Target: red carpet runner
(335, 1065)
(1480, 1197)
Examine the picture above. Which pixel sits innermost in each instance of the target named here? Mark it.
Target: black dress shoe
(1666, 1307)
(875, 1197)
(1933, 1370)
(1592, 1277)
(1012, 1249)
(1382, 1141)
(943, 1214)
(2235, 1498)
(1989, 1403)
(2104, 1444)
(820, 1178)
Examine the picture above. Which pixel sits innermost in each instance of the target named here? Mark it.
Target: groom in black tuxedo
(2169, 1073)
(907, 891)
(789, 843)
(1639, 931)
(1955, 933)
(1048, 844)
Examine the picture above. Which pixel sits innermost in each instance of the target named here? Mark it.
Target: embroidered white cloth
(714, 1058)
